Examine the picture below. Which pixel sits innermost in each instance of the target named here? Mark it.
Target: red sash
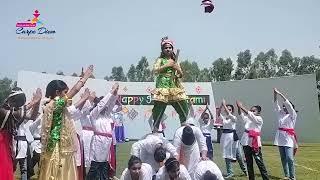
(254, 135)
(88, 128)
(291, 132)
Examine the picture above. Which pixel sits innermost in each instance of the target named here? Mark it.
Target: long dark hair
(53, 86)
(133, 160)
(171, 164)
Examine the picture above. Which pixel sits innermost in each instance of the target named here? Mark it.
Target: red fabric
(254, 135)
(291, 132)
(112, 157)
(6, 167)
(88, 128)
(103, 134)
(112, 161)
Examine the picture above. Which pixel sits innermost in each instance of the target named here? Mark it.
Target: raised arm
(241, 107)
(109, 98)
(171, 148)
(83, 98)
(202, 114)
(210, 113)
(287, 104)
(76, 88)
(34, 104)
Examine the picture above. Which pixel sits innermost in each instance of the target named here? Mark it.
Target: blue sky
(110, 33)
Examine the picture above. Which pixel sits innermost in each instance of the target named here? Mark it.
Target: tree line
(264, 65)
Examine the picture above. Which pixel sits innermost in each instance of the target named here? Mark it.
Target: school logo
(34, 28)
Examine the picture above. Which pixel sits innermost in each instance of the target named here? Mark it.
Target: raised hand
(239, 104)
(88, 72)
(85, 94)
(115, 88)
(223, 101)
(37, 95)
(92, 96)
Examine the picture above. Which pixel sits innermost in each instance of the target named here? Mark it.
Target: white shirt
(146, 173)
(163, 174)
(75, 116)
(205, 166)
(35, 129)
(282, 138)
(85, 111)
(229, 121)
(23, 130)
(252, 122)
(206, 127)
(102, 123)
(145, 148)
(190, 155)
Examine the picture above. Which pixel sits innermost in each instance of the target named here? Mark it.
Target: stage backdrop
(135, 97)
(300, 90)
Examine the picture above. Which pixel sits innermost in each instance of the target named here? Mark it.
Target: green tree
(285, 64)
(131, 75)
(308, 65)
(190, 71)
(5, 88)
(117, 74)
(243, 65)
(222, 69)
(143, 73)
(265, 64)
(205, 75)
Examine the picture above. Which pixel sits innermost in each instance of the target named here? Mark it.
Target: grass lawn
(307, 162)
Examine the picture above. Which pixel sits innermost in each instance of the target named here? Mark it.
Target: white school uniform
(87, 131)
(75, 115)
(190, 155)
(35, 129)
(282, 138)
(102, 123)
(163, 174)
(22, 146)
(145, 148)
(146, 173)
(203, 167)
(227, 144)
(252, 122)
(206, 128)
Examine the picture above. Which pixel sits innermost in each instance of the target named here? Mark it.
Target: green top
(166, 78)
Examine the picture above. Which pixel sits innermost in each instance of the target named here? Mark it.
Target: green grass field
(307, 162)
